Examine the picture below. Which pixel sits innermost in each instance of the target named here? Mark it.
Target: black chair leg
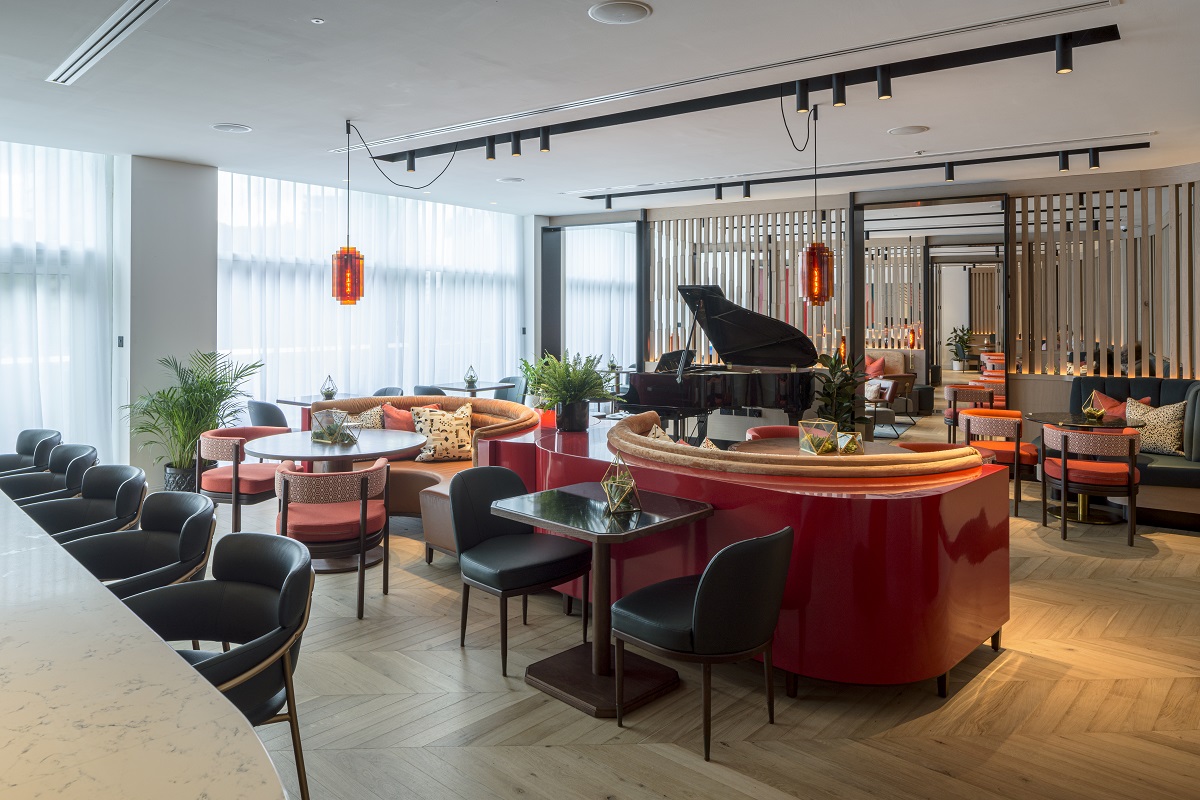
(620, 667)
(524, 609)
(504, 636)
(586, 600)
(707, 708)
(1045, 480)
(1017, 482)
(462, 630)
(428, 555)
(568, 603)
(387, 549)
(237, 517)
(769, 674)
(1132, 512)
(294, 724)
(362, 578)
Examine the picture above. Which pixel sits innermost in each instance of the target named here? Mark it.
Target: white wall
(165, 274)
(956, 305)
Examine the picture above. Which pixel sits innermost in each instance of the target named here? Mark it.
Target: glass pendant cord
(384, 174)
(348, 126)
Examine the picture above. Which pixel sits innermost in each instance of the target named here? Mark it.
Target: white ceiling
(400, 67)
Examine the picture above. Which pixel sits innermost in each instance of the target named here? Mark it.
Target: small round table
(1064, 419)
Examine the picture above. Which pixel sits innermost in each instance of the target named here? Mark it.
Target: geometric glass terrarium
(1092, 409)
(818, 437)
(850, 444)
(328, 388)
(330, 426)
(620, 490)
(471, 378)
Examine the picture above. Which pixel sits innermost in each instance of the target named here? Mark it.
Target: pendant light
(816, 270)
(347, 261)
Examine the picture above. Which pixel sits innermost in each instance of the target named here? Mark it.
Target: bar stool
(1003, 429)
(957, 393)
(33, 451)
(238, 484)
(1104, 478)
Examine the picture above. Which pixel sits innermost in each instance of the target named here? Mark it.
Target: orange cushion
(1112, 473)
(400, 419)
(330, 522)
(253, 478)
(1004, 451)
(1111, 405)
(875, 367)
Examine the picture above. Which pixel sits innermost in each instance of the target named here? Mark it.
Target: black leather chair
(506, 558)
(726, 614)
(110, 498)
(259, 600)
(63, 478)
(33, 451)
(515, 394)
(388, 391)
(266, 415)
(171, 545)
(423, 391)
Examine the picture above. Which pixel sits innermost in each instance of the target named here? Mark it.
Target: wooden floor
(1095, 694)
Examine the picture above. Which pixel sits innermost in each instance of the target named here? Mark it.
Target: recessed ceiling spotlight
(908, 130)
(620, 12)
(231, 127)
(317, 21)
(491, 202)
(510, 180)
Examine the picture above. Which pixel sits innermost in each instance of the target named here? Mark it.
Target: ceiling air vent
(124, 21)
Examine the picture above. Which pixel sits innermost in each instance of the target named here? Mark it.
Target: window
(600, 292)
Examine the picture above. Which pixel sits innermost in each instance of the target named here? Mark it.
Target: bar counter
(94, 704)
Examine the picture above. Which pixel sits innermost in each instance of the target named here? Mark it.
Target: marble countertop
(94, 704)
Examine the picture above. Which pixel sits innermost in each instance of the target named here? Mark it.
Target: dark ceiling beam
(900, 69)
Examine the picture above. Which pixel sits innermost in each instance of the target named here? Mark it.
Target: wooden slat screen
(985, 300)
(895, 291)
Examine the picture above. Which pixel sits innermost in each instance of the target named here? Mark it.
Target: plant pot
(179, 480)
(571, 416)
(958, 366)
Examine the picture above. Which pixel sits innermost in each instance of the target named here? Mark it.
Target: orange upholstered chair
(336, 514)
(1003, 430)
(238, 484)
(1116, 477)
(773, 432)
(998, 387)
(969, 396)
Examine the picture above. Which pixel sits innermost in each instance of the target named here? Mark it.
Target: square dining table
(583, 676)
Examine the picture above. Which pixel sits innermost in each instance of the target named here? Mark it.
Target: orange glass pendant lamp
(348, 276)
(816, 274)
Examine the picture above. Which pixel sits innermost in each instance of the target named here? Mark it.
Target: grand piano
(767, 364)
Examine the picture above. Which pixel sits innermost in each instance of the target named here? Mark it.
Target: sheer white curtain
(600, 288)
(443, 288)
(56, 309)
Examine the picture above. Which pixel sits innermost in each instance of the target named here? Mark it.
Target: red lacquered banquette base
(892, 580)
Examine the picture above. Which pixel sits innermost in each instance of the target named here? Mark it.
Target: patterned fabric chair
(1112, 478)
(63, 478)
(998, 387)
(1003, 431)
(238, 484)
(970, 396)
(33, 451)
(337, 514)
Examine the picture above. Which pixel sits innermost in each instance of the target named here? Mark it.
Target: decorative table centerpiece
(328, 388)
(1091, 409)
(620, 490)
(471, 379)
(330, 426)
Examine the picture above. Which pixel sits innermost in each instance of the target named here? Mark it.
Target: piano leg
(701, 428)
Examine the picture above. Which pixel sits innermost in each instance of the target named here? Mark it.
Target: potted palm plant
(957, 341)
(567, 385)
(205, 396)
(838, 388)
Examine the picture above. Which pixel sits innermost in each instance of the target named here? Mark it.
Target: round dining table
(372, 443)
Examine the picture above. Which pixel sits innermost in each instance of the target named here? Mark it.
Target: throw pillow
(708, 445)
(371, 418)
(659, 434)
(872, 389)
(401, 419)
(447, 435)
(875, 367)
(1111, 405)
(1163, 430)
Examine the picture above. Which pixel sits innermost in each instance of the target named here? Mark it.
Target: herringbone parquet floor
(1095, 694)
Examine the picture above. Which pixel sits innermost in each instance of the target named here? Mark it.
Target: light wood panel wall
(1105, 270)
(985, 300)
(895, 291)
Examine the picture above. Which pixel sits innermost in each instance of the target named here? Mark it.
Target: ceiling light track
(1074, 8)
(839, 82)
(947, 166)
(124, 21)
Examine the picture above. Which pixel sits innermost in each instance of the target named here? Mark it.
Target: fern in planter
(573, 379)
(838, 387)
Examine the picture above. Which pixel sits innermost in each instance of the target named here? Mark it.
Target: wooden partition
(984, 296)
(895, 292)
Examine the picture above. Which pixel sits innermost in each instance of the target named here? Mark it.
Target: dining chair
(170, 545)
(388, 391)
(110, 498)
(266, 415)
(259, 600)
(1112, 478)
(62, 478)
(880, 408)
(337, 514)
(1003, 429)
(239, 484)
(728, 613)
(33, 451)
(506, 558)
(517, 393)
(428, 391)
(971, 396)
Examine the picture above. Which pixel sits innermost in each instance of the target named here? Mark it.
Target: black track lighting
(1062, 53)
(802, 97)
(718, 192)
(410, 159)
(883, 81)
(839, 89)
(1064, 161)
(516, 144)
(608, 202)
(745, 190)
(490, 148)
(544, 140)
(1094, 158)
(949, 172)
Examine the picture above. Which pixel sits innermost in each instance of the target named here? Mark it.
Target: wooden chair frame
(1065, 485)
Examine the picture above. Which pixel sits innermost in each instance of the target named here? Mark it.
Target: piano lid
(744, 337)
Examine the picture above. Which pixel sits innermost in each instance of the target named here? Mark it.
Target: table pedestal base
(568, 677)
(326, 566)
(1085, 512)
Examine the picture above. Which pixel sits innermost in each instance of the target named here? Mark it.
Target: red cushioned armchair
(238, 484)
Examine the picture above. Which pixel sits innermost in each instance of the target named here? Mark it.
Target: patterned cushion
(447, 435)
(659, 434)
(371, 418)
(1163, 431)
(708, 445)
(872, 389)
(400, 419)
